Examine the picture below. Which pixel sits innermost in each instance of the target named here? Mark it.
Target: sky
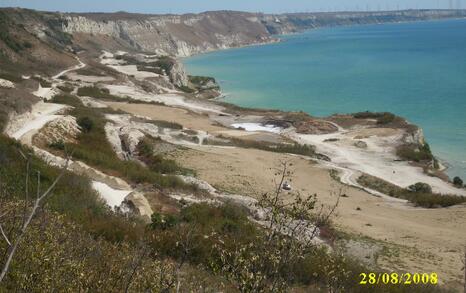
(266, 6)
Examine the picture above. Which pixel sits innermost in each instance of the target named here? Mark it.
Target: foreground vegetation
(75, 243)
(419, 194)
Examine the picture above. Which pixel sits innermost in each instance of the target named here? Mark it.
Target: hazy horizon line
(233, 10)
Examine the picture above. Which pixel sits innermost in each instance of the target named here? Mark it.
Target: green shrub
(12, 41)
(98, 93)
(43, 83)
(11, 77)
(420, 187)
(161, 123)
(419, 194)
(157, 163)
(416, 153)
(73, 196)
(457, 181)
(186, 89)
(201, 80)
(67, 99)
(94, 149)
(166, 124)
(386, 118)
(166, 63)
(155, 70)
(59, 145)
(163, 222)
(381, 117)
(199, 221)
(85, 123)
(67, 88)
(294, 148)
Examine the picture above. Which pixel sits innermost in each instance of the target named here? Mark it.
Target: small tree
(291, 232)
(420, 187)
(457, 181)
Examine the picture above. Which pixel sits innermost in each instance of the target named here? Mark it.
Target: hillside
(184, 35)
(119, 172)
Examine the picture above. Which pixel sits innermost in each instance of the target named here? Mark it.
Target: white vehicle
(286, 186)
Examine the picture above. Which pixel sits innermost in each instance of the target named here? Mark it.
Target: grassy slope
(94, 149)
(422, 199)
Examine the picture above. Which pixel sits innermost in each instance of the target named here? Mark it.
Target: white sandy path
(133, 70)
(108, 59)
(46, 93)
(173, 100)
(113, 197)
(41, 114)
(49, 92)
(377, 160)
(78, 66)
(91, 102)
(89, 78)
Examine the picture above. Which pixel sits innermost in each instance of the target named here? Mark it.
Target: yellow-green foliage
(57, 256)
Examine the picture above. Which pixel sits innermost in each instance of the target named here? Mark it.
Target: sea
(416, 70)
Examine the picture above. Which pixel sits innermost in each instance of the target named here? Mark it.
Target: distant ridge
(175, 35)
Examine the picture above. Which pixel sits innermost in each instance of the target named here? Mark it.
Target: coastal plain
(402, 237)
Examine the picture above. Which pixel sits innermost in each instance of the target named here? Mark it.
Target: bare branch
(28, 162)
(464, 268)
(12, 249)
(136, 265)
(38, 184)
(4, 235)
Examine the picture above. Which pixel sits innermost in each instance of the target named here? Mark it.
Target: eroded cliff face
(185, 35)
(178, 75)
(176, 35)
(297, 22)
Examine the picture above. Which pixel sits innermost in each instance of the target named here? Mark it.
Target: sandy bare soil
(191, 120)
(412, 239)
(181, 116)
(377, 158)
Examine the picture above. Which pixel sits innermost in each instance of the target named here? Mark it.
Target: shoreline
(447, 168)
(378, 220)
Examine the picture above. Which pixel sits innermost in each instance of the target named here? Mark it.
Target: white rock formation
(136, 202)
(6, 84)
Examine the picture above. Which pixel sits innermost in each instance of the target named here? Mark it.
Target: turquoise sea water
(416, 70)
